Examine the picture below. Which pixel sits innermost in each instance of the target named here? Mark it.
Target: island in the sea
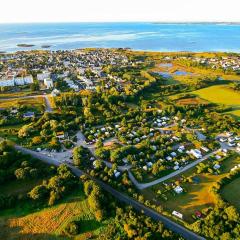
(46, 46)
(25, 45)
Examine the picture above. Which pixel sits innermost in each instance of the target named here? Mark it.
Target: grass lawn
(197, 195)
(10, 132)
(148, 177)
(48, 223)
(231, 193)
(221, 94)
(15, 187)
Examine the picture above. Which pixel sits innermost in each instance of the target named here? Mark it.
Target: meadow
(231, 193)
(197, 196)
(223, 95)
(34, 101)
(49, 223)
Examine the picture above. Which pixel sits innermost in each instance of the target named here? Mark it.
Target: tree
(21, 173)
(79, 155)
(36, 140)
(72, 228)
(34, 86)
(232, 213)
(38, 193)
(25, 131)
(54, 196)
(99, 215)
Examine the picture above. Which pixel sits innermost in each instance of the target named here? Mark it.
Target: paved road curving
(142, 186)
(175, 227)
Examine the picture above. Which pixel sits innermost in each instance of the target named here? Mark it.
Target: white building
(11, 81)
(178, 189)
(23, 80)
(55, 92)
(7, 82)
(43, 75)
(48, 82)
(196, 153)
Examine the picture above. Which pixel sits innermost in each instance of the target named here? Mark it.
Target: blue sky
(118, 10)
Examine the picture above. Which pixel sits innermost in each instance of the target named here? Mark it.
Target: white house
(116, 173)
(178, 189)
(48, 82)
(196, 153)
(216, 166)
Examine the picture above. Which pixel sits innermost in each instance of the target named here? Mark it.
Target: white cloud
(121, 10)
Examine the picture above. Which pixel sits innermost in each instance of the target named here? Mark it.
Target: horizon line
(156, 22)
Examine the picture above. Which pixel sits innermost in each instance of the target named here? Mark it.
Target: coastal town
(78, 69)
(142, 123)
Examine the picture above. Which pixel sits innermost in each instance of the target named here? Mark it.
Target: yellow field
(52, 102)
(220, 94)
(35, 101)
(16, 94)
(50, 222)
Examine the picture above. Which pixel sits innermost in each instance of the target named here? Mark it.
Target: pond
(182, 73)
(166, 65)
(164, 74)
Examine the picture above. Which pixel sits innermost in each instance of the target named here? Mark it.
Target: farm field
(50, 222)
(36, 101)
(231, 193)
(221, 94)
(17, 94)
(197, 196)
(191, 101)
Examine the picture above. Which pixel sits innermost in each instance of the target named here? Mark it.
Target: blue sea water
(138, 36)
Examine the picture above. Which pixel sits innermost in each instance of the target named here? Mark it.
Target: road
(175, 227)
(142, 186)
(47, 104)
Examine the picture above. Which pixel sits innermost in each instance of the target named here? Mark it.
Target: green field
(231, 193)
(49, 223)
(197, 196)
(221, 94)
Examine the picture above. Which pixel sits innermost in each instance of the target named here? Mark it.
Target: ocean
(137, 36)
